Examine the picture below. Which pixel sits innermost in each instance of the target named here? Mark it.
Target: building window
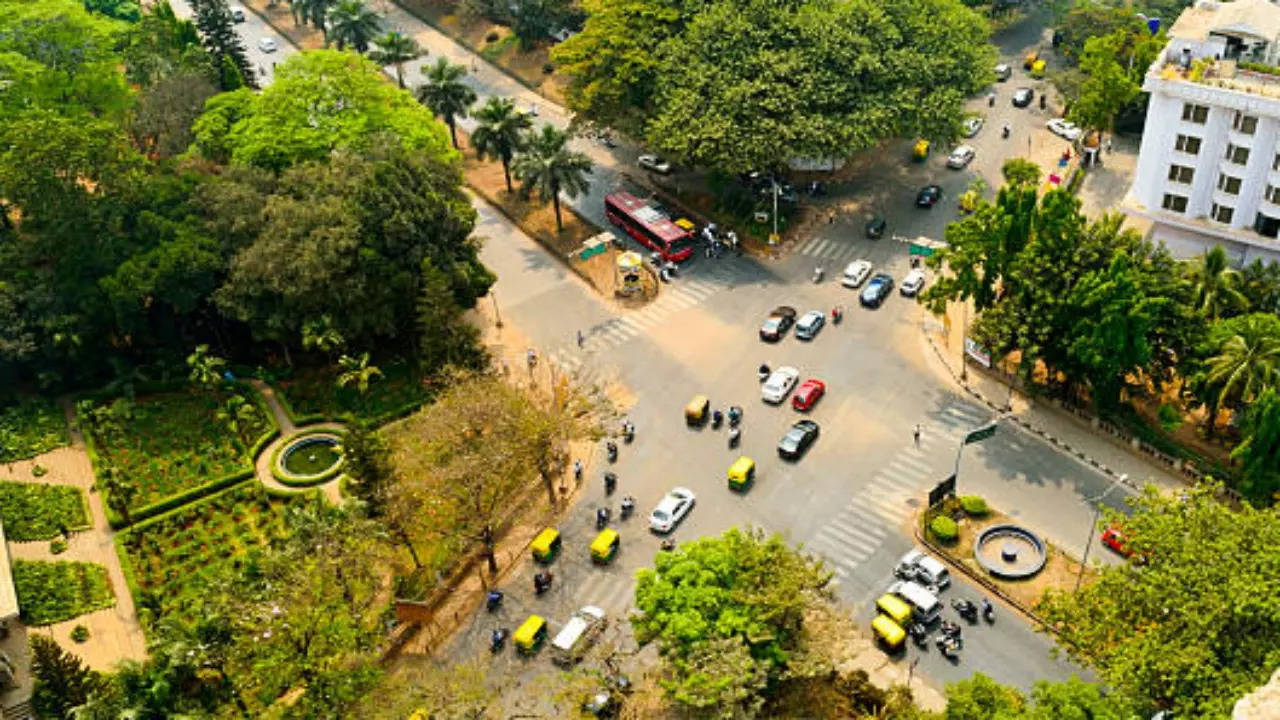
(1273, 194)
(1181, 174)
(1176, 203)
(1197, 114)
(1191, 145)
(1229, 185)
(1267, 226)
(1222, 213)
(1236, 154)
(1275, 164)
(1245, 124)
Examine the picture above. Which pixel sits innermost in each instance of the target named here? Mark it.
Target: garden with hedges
(167, 557)
(30, 426)
(50, 592)
(41, 512)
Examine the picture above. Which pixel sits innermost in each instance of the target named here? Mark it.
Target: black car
(877, 289)
(876, 227)
(778, 323)
(798, 439)
(928, 196)
(1022, 97)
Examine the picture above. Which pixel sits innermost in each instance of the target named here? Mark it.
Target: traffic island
(995, 549)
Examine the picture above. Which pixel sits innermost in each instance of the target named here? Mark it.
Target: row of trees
(1089, 304)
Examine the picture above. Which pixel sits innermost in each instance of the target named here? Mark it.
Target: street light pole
(1097, 512)
(964, 337)
(774, 180)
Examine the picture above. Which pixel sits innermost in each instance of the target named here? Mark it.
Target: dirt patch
(497, 44)
(280, 18)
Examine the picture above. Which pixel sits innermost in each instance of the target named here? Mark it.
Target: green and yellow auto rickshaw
(695, 413)
(888, 632)
(920, 150)
(546, 546)
(605, 546)
(742, 473)
(529, 637)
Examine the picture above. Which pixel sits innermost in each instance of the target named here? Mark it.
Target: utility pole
(1093, 526)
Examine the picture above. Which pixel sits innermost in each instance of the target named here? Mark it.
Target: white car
(237, 13)
(1064, 129)
(267, 45)
(654, 163)
(913, 283)
(855, 273)
(779, 384)
(671, 509)
(972, 126)
(960, 157)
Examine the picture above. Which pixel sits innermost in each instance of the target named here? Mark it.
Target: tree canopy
(740, 85)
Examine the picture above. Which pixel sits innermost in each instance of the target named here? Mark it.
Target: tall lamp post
(1093, 525)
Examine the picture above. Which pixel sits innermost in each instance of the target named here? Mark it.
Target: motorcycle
(717, 418)
(628, 431)
(948, 646)
(542, 582)
(988, 611)
(919, 633)
(966, 608)
(836, 315)
(492, 600)
(991, 99)
(1004, 131)
(950, 629)
(602, 518)
(612, 449)
(628, 507)
(497, 639)
(610, 483)
(763, 373)
(817, 274)
(667, 545)
(735, 416)
(735, 435)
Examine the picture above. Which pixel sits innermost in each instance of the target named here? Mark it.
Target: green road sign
(980, 434)
(921, 250)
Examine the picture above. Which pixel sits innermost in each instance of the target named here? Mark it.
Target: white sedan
(267, 45)
(671, 509)
(912, 283)
(654, 163)
(779, 384)
(961, 157)
(1065, 129)
(855, 273)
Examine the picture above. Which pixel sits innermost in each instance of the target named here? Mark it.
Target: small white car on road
(1064, 129)
(855, 273)
(654, 163)
(267, 45)
(671, 510)
(972, 126)
(237, 13)
(912, 283)
(960, 157)
(779, 384)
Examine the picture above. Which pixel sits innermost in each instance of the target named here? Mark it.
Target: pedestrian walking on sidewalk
(579, 338)
(916, 434)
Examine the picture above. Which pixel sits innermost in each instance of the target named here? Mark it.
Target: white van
(576, 636)
(924, 603)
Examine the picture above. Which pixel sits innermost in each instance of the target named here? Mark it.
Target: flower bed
(30, 427)
(50, 592)
(40, 512)
(313, 394)
(176, 442)
(169, 555)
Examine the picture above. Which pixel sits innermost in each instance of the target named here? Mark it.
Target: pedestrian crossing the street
(857, 532)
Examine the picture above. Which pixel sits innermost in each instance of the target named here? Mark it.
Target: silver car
(960, 157)
(654, 163)
(809, 324)
(671, 510)
(855, 273)
(779, 384)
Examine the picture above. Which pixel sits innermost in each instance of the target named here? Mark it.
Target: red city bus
(649, 226)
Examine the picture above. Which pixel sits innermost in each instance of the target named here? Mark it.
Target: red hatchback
(1113, 537)
(807, 394)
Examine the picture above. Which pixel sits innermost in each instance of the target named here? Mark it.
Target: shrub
(39, 471)
(79, 633)
(57, 547)
(29, 427)
(974, 505)
(944, 528)
(40, 512)
(1169, 416)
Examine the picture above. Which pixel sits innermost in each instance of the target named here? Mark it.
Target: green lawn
(50, 592)
(39, 512)
(175, 441)
(314, 391)
(171, 555)
(30, 426)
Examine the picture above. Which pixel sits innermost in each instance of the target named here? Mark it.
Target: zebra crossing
(684, 293)
(613, 592)
(859, 529)
(831, 250)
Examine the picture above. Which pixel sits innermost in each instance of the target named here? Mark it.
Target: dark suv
(778, 323)
(877, 289)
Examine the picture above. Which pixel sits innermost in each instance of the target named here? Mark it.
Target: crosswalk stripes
(611, 592)
(827, 249)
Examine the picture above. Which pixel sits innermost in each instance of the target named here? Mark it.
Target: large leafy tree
(352, 22)
(1188, 624)
(981, 698)
(320, 101)
(500, 133)
(446, 94)
(217, 27)
(62, 681)
(395, 49)
(1259, 454)
(728, 613)
(548, 166)
(749, 84)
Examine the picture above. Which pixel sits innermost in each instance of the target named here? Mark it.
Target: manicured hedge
(32, 511)
(50, 592)
(30, 426)
(974, 505)
(944, 528)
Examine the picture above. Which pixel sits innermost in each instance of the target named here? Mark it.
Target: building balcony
(1223, 197)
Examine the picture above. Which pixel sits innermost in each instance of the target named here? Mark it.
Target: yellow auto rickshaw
(546, 546)
(695, 413)
(530, 635)
(894, 608)
(888, 632)
(605, 546)
(742, 473)
(969, 201)
(1037, 69)
(1030, 60)
(921, 150)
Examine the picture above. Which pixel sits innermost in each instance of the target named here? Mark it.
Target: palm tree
(549, 166)
(501, 132)
(1260, 284)
(351, 22)
(311, 12)
(445, 93)
(1247, 363)
(357, 371)
(396, 48)
(1216, 284)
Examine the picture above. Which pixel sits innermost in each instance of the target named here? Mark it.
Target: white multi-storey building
(1209, 167)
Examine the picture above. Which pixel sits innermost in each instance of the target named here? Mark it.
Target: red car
(807, 394)
(1114, 538)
